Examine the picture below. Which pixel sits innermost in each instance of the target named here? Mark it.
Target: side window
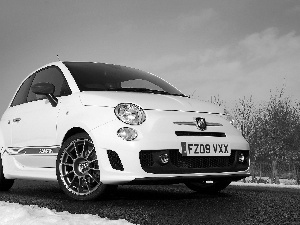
(50, 75)
(65, 89)
(21, 96)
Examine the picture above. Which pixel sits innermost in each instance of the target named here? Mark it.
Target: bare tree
(244, 114)
(217, 101)
(275, 135)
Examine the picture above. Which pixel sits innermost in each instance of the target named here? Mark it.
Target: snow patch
(16, 214)
(281, 185)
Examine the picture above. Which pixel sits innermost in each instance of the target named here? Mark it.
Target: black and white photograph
(150, 112)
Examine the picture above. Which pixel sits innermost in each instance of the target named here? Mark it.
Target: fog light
(241, 158)
(164, 158)
(127, 133)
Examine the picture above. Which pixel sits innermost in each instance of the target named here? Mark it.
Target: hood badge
(201, 123)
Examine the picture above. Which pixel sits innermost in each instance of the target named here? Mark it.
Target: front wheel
(77, 169)
(5, 184)
(208, 187)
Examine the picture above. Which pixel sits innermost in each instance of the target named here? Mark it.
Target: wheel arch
(73, 131)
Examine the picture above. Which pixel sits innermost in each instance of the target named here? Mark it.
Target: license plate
(205, 149)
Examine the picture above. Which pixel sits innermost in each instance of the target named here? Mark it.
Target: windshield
(107, 77)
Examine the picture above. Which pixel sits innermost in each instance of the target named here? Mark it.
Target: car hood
(147, 101)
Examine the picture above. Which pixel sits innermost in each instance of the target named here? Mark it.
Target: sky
(226, 48)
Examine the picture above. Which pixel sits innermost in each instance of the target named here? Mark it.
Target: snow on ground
(266, 182)
(281, 185)
(16, 214)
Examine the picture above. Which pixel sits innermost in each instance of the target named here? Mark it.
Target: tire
(208, 188)
(5, 184)
(77, 169)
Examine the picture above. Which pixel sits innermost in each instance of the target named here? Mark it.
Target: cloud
(174, 61)
(251, 66)
(296, 9)
(259, 61)
(253, 50)
(268, 45)
(212, 55)
(194, 21)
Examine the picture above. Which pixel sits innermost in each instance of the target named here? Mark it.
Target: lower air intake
(179, 164)
(201, 162)
(115, 160)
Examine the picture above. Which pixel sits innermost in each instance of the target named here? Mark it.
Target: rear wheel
(77, 169)
(208, 187)
(5, 184)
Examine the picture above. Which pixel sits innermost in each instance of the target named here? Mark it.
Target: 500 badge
(205, 149)
(45, 151)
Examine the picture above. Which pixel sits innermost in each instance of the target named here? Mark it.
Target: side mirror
(45, 89)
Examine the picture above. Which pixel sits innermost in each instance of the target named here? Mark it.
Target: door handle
(16, 120)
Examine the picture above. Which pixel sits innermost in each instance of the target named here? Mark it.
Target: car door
(7, 118)
(34, 124)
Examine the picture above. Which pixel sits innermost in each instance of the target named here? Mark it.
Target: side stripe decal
(39, 150)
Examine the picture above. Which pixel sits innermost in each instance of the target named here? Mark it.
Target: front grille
(146, 158)
(202, 134)
(201, 162)
(115, 160)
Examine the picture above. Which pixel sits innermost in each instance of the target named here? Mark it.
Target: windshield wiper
(163, 93)
(145, 90)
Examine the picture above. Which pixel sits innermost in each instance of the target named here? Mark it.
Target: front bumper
(147, 170)
(136, 161)
(180, 168)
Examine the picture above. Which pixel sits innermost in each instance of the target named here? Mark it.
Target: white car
(93, 126)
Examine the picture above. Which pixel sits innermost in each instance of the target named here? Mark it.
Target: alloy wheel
(78, 167)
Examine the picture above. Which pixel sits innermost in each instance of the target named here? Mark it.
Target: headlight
(130, 113)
